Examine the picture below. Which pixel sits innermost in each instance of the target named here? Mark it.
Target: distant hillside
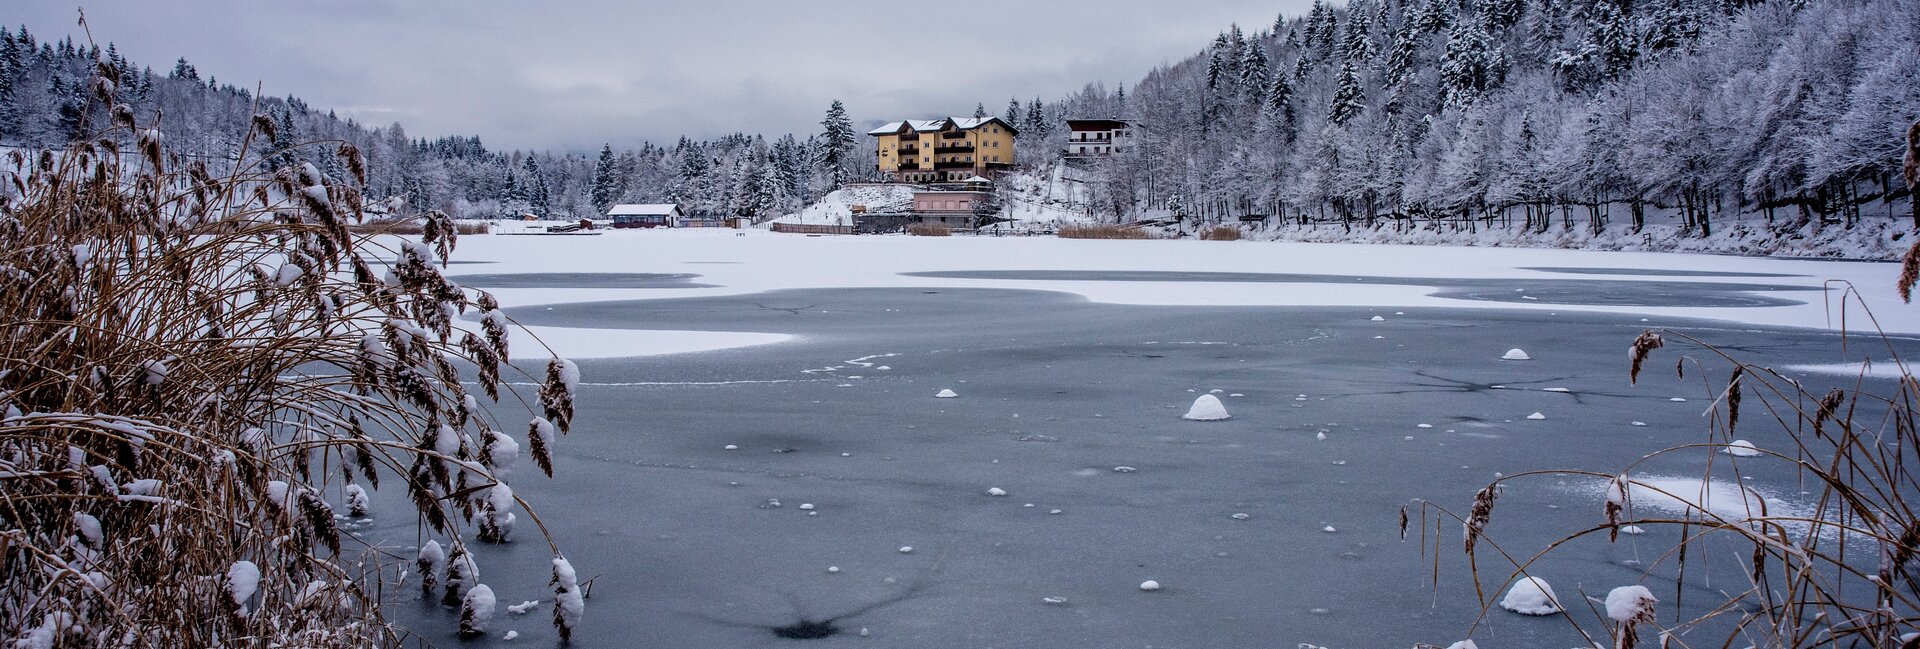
(46, 100)
(1528, 112)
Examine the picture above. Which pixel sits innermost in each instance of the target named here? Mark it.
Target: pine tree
(1406, 49)
(979, 111)
(1253, 70)
(605, 189)
(1615, 38)
(535, 189)
(10, 75)
(1013, 114)
(1349, 99)
(1278, 107)
(1358, 43)
(837, 140)
(184, 70)
(1214, 70)
(1471, 65)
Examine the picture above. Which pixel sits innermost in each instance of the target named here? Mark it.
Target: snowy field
(761, 447)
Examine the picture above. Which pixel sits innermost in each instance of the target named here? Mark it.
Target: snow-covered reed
(1844, 570)
(196, 364)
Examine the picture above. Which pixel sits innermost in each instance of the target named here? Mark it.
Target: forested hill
(1525, 110)
(44, 101)
(1789, 108)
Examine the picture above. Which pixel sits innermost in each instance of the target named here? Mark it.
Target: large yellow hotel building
(945, 150)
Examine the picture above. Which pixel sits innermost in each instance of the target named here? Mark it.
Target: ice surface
(686, 558)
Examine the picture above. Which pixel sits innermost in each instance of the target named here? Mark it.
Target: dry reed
(1843, 574)
(196, 363)
(929, 230)
(1102, 232)
(1220, 233)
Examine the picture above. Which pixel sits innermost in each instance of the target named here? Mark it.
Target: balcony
(908, 151)
(956, 164)
(955, 148)
(909, 165)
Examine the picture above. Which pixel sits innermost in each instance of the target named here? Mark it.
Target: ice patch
(1869, 369)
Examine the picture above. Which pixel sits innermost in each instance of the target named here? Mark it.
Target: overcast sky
(568, 75)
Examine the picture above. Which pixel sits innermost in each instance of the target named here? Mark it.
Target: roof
(649, 209)
(1097, 124)
(935, 125)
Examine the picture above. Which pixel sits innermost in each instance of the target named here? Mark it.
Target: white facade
(1097, 137)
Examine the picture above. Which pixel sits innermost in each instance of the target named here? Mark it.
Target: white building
(1097, 137)
(656, 215)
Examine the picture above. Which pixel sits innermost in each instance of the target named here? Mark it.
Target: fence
(798, 228)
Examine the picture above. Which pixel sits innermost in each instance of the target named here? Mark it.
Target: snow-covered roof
(649, 209)
(932, 125)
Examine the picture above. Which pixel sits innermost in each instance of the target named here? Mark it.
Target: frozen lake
(1071, 406)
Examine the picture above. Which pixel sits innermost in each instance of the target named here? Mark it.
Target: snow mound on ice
(946, 393)
(1149, 585)
(1206, 408)
(1536, 416)
(1516, 354)
(1627, 603)
(1741, 448)
(1531, 596)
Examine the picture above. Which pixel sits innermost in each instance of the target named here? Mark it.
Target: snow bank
(836, 208)
(1531, 596)
(1206, 408)
(1869, 239)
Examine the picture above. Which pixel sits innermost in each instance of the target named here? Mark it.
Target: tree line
(1532, 111)
(44, 92)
